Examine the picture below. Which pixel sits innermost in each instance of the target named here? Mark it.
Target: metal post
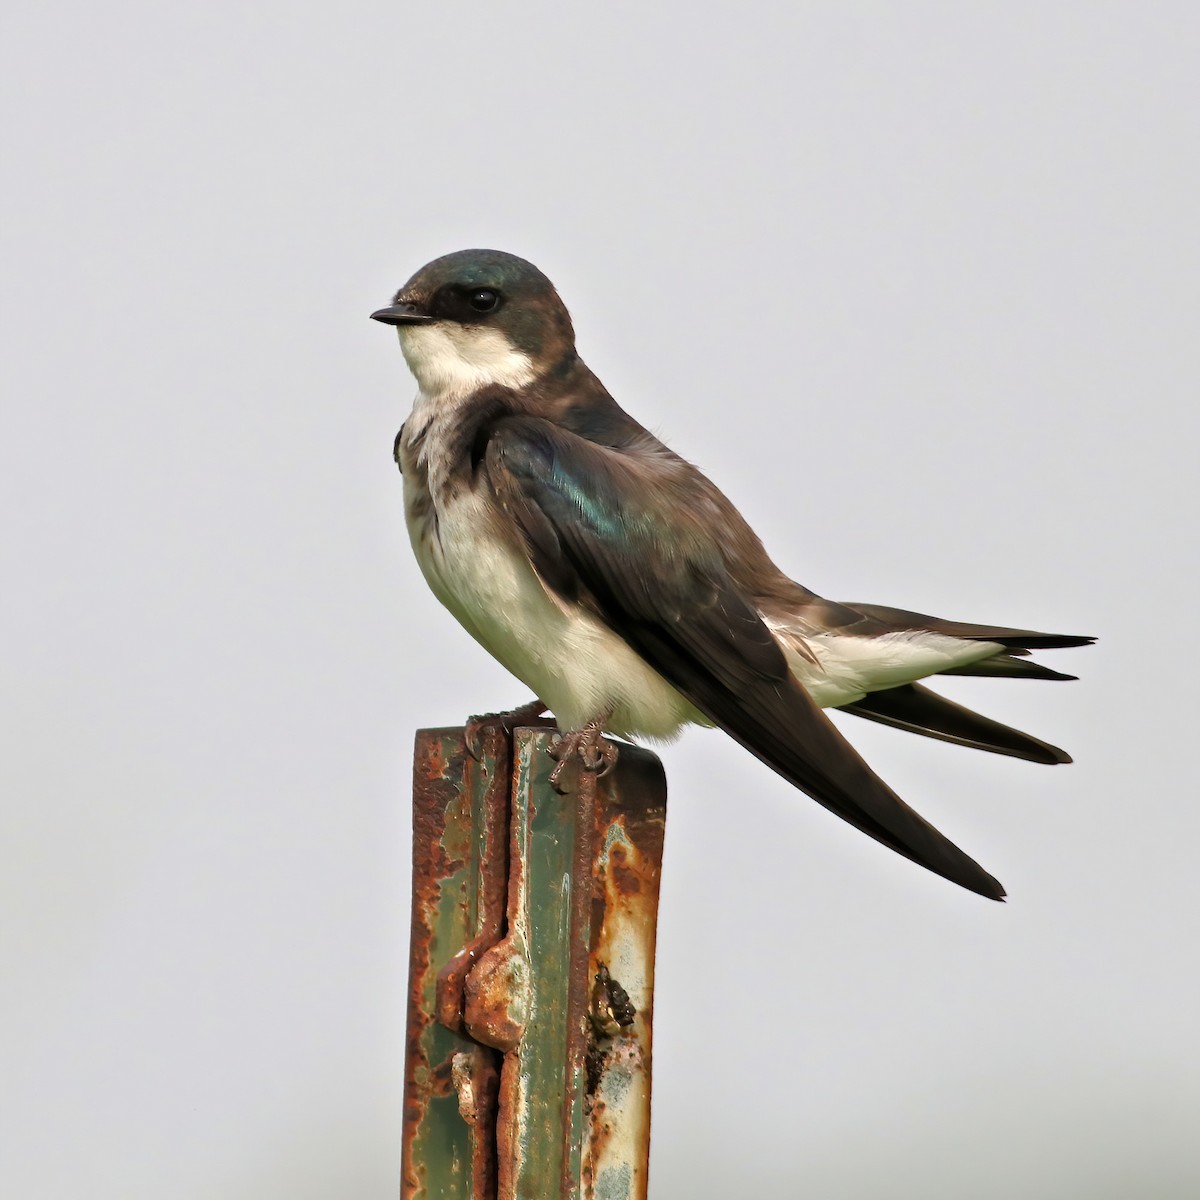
(531, 973)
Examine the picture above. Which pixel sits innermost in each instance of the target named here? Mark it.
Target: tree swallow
(617, 582)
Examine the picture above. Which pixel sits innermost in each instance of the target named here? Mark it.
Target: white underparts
(573, 662)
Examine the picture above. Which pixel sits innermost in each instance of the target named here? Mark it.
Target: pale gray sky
(916, 284)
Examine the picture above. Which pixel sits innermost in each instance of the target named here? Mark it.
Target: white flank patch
(847, 668)
(451, 360)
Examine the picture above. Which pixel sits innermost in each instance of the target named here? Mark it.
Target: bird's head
(478, 318)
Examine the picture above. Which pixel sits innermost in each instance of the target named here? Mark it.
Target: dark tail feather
(1009, 665)
(918, 710)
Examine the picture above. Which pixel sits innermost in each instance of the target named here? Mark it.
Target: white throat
(451, 360)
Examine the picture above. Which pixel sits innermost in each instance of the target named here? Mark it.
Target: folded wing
(626, 535)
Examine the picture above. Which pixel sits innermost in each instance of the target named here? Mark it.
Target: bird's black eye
(484, 300)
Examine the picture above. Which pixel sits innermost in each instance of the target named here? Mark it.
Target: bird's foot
(595, 753)
(476, 727)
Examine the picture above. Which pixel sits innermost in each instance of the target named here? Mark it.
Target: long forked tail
(919, 710)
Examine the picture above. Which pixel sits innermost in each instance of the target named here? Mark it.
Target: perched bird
(618, 583)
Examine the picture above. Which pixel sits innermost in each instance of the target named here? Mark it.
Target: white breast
(573, 663)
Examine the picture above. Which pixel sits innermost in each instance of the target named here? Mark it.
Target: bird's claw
(506, 722)
(595, 752)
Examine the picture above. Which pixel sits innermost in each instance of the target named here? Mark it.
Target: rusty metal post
(459, 887)
(561, 986)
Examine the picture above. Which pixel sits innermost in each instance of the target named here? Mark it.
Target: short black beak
(401, 314)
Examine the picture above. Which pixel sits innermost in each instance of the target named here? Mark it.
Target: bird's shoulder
(567, 430)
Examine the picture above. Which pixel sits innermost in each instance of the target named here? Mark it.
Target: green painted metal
(543, 1088)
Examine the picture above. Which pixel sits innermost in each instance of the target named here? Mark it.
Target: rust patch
(452, 834)
(497, 997)
(429, 862)
(492, 770)
(627, 872)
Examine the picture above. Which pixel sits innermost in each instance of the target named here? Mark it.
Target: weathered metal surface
(566, 993)
(487, 781)
(574, 1116)
(499, 993)
(537, 1088)
(460, 836)
(611, 1010)
(630, 821)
